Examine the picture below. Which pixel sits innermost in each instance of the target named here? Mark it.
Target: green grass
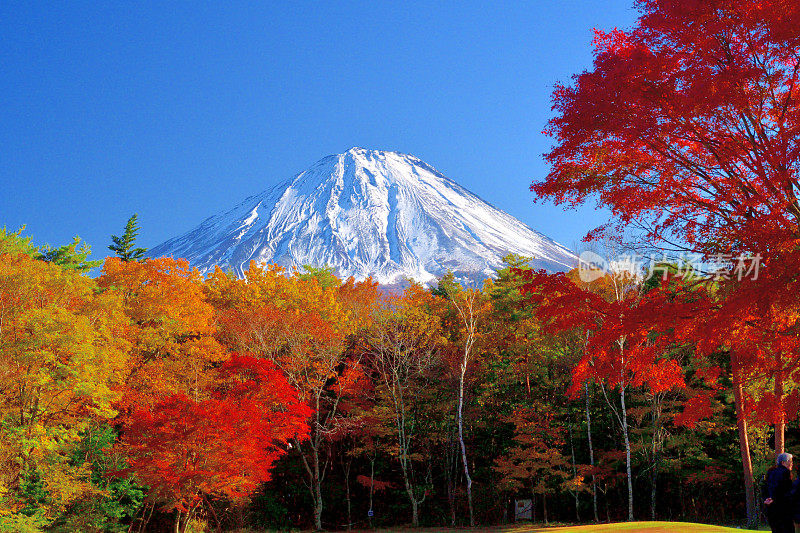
(631, 527)
(645, 527)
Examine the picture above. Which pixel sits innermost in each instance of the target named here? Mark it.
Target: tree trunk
(451, 463)
(177, 521)
(591, 454)
(780, 422)
(313, 470)
(371, 488)
(467, 312)
(403, 441)
(347, 494)
(575, 474)
(460, 420)
(544, 508)
(656, 451)
(404, 465)
(317, 503)
(316, 488)
(414, 509)
(654, 480)
(627, 452)
(214, 514)
(451, 503)
(314, 483)
(404, 460)
(744, 444)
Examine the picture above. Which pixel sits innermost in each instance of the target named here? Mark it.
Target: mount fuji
(373, 213)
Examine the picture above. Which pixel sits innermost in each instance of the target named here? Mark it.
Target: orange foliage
(172, 327)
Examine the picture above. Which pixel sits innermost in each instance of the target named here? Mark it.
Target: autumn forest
(139, 395)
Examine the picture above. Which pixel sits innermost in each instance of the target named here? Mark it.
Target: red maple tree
(686, 127)
(186, 450)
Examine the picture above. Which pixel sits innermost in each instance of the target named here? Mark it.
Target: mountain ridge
(383, 214)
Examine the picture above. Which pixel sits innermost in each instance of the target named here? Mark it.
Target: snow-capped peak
(367, 212)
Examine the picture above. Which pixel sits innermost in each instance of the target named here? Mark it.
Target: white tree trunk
(460, 420)
(591, 453)
(627, 452)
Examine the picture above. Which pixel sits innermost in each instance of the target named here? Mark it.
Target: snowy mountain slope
(367, 213)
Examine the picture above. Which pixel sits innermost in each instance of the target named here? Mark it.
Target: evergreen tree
(124, 246)
(447, 285)
(325, 275)
(71, 256)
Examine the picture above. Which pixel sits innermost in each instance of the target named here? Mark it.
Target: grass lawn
(631, 527)
(648, 527)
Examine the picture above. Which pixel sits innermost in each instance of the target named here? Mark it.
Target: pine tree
(124, 246)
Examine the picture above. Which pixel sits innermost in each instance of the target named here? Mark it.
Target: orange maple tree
(172, 327)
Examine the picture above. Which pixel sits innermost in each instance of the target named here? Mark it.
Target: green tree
(447, 285)
(14, 243)
(71, 256)
(114, 504)
(124, 246)
(325, 275)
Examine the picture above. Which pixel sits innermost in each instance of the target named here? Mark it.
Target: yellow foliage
(61, 358)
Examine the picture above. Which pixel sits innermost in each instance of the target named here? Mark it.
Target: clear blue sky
(180, 110)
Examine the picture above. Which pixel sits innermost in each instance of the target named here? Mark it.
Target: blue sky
(180, 110)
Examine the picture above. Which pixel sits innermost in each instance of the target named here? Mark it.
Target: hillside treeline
(150, 398)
